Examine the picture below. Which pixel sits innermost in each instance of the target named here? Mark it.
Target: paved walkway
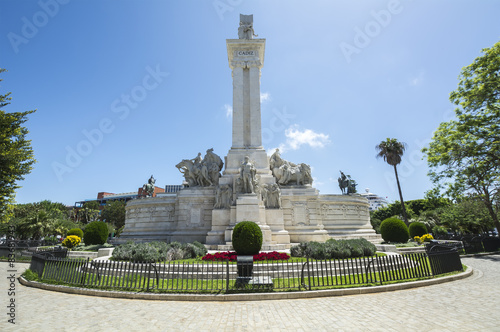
(470, 304)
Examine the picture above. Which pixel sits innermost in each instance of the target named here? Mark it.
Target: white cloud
(264, 97)
(295, 138)
(229, 110)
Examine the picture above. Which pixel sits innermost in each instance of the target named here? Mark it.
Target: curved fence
(213, 277)
(474, 243)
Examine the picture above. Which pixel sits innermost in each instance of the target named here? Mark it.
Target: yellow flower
(71, 241)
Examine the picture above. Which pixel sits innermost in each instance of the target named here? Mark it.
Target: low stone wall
(82, 254)
(304, 216)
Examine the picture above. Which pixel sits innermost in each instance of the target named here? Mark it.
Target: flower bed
(231, 256)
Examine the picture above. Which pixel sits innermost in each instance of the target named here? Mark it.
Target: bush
(247, 238)
(394, 230)
(316, 250)
(366, 247)
(417, 229)
(202, 249)
(376, 224)
(71, 241)
(334, 249)
(190, 250)
(158, 251)
(439, 230)
(298, 250)
(51, 240)
(95, 233)
(337, 249)
(75, 231)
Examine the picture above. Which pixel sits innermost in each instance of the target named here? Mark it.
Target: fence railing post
(302, 281)
(227, 276)
(84, 274)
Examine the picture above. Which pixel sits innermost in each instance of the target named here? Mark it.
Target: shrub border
(248, 296)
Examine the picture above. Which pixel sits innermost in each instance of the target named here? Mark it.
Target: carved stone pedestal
(249, 208)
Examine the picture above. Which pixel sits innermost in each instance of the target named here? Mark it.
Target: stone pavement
(470, 304)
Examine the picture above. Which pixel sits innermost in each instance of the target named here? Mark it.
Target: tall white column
(238, 101)
(254, 101)
(246, 58)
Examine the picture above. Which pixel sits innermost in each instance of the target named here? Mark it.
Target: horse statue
(149, 188)
(343, 183)
(346, 184)
(194, 176)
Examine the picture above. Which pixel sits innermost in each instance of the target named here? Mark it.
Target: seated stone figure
(288, 173)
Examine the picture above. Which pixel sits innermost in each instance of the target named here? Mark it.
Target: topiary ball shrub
(247, 238)
(417, 229)
(394, 230)
(75, 231)
(95, 233)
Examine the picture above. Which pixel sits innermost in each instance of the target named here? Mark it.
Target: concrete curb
(247, 296)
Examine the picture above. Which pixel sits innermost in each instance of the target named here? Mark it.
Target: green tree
(391, 150)
(468, 216)
(37, 220)
(89, 212)
(463, 155)
(93, 205)
(114, 212)
(16, 154)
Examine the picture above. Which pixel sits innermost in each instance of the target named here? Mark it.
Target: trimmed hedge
(334, 249)
(417, 229)
(247, 238)
(156, 251)
(95, 233)
(394, 230)
(75, 231)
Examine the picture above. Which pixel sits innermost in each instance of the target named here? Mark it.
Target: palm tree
(392, 151)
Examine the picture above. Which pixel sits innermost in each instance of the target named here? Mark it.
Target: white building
(375, 201)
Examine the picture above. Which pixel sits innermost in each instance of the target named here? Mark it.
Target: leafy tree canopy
(16, 154)
(114, 212)
(463, 155)
(41, 219)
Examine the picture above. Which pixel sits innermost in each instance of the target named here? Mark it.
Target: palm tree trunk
(405, 219)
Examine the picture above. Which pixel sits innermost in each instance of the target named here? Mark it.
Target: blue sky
(126, 89)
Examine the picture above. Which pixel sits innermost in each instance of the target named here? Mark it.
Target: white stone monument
(273, 192)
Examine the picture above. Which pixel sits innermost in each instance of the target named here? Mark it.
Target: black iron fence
(40, 257)
(211, 277)
(473, 243)
(443, 257)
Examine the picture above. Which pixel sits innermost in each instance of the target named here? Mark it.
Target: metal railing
(216, 277)
(443, 257)
(474, 243)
